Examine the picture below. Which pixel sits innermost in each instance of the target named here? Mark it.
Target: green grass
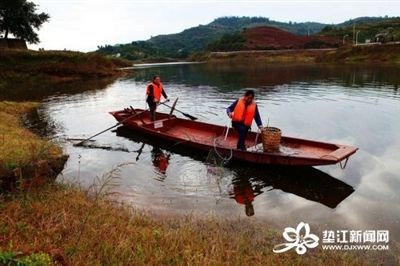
(34, 259)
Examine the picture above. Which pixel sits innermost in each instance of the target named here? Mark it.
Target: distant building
(13, 44)
(380, 37)
(385, 36)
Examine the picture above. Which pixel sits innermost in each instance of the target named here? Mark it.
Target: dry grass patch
(19, 146)
(377, 54)
(78, 228)
(267, 57)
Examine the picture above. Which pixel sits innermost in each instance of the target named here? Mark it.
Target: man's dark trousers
(242, 131)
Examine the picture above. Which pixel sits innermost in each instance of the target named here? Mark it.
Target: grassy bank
(81, 228)
(268, 57)
(23, 155)
(19, 146)
(377, 54)
(59, 63)
(38, 67)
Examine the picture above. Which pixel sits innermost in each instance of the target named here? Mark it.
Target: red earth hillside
(274, 38)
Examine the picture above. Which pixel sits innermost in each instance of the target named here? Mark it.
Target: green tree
(19, 17)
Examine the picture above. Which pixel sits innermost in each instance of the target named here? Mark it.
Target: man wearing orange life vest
(242, 112)
(154, 91)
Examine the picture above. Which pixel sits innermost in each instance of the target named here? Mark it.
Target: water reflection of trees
(228, 77)
(40, 123)
(40, 89)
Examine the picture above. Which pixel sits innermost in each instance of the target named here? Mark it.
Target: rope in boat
(216, 163)
(225, 159)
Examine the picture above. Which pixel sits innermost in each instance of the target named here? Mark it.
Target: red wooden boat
(204, 137)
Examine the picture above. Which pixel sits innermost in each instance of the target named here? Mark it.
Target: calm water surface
(351, 105)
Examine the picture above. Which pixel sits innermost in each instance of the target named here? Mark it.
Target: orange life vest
(157, 90)
(244, 113)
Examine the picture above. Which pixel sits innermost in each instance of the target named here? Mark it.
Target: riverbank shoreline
(362, 54)
(61, 63)
(26, 160)
(49, 68)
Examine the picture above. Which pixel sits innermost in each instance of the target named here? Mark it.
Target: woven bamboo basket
(271, 138)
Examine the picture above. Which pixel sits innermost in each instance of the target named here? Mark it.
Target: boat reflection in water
(305, 182)
(247, 183)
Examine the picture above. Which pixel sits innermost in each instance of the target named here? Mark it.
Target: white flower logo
(298, 238)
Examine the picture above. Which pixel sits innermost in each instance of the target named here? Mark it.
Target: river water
(351, 105)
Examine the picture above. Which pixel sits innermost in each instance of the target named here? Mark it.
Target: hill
(368, 28)
(196, 39)
(270, 38)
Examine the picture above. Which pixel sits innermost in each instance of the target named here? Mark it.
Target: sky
(84, 24)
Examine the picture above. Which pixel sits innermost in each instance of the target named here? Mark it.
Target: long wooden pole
(185, 114)
(117, 124)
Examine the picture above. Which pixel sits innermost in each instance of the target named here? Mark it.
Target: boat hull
(205, 137)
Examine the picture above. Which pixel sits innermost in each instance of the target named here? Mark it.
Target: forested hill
(180, 45)
(194, 39)
(367, 27)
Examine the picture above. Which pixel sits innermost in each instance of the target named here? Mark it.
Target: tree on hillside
(19, 18)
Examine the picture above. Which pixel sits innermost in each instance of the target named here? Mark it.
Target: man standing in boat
(154, 91)
(242, 112)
